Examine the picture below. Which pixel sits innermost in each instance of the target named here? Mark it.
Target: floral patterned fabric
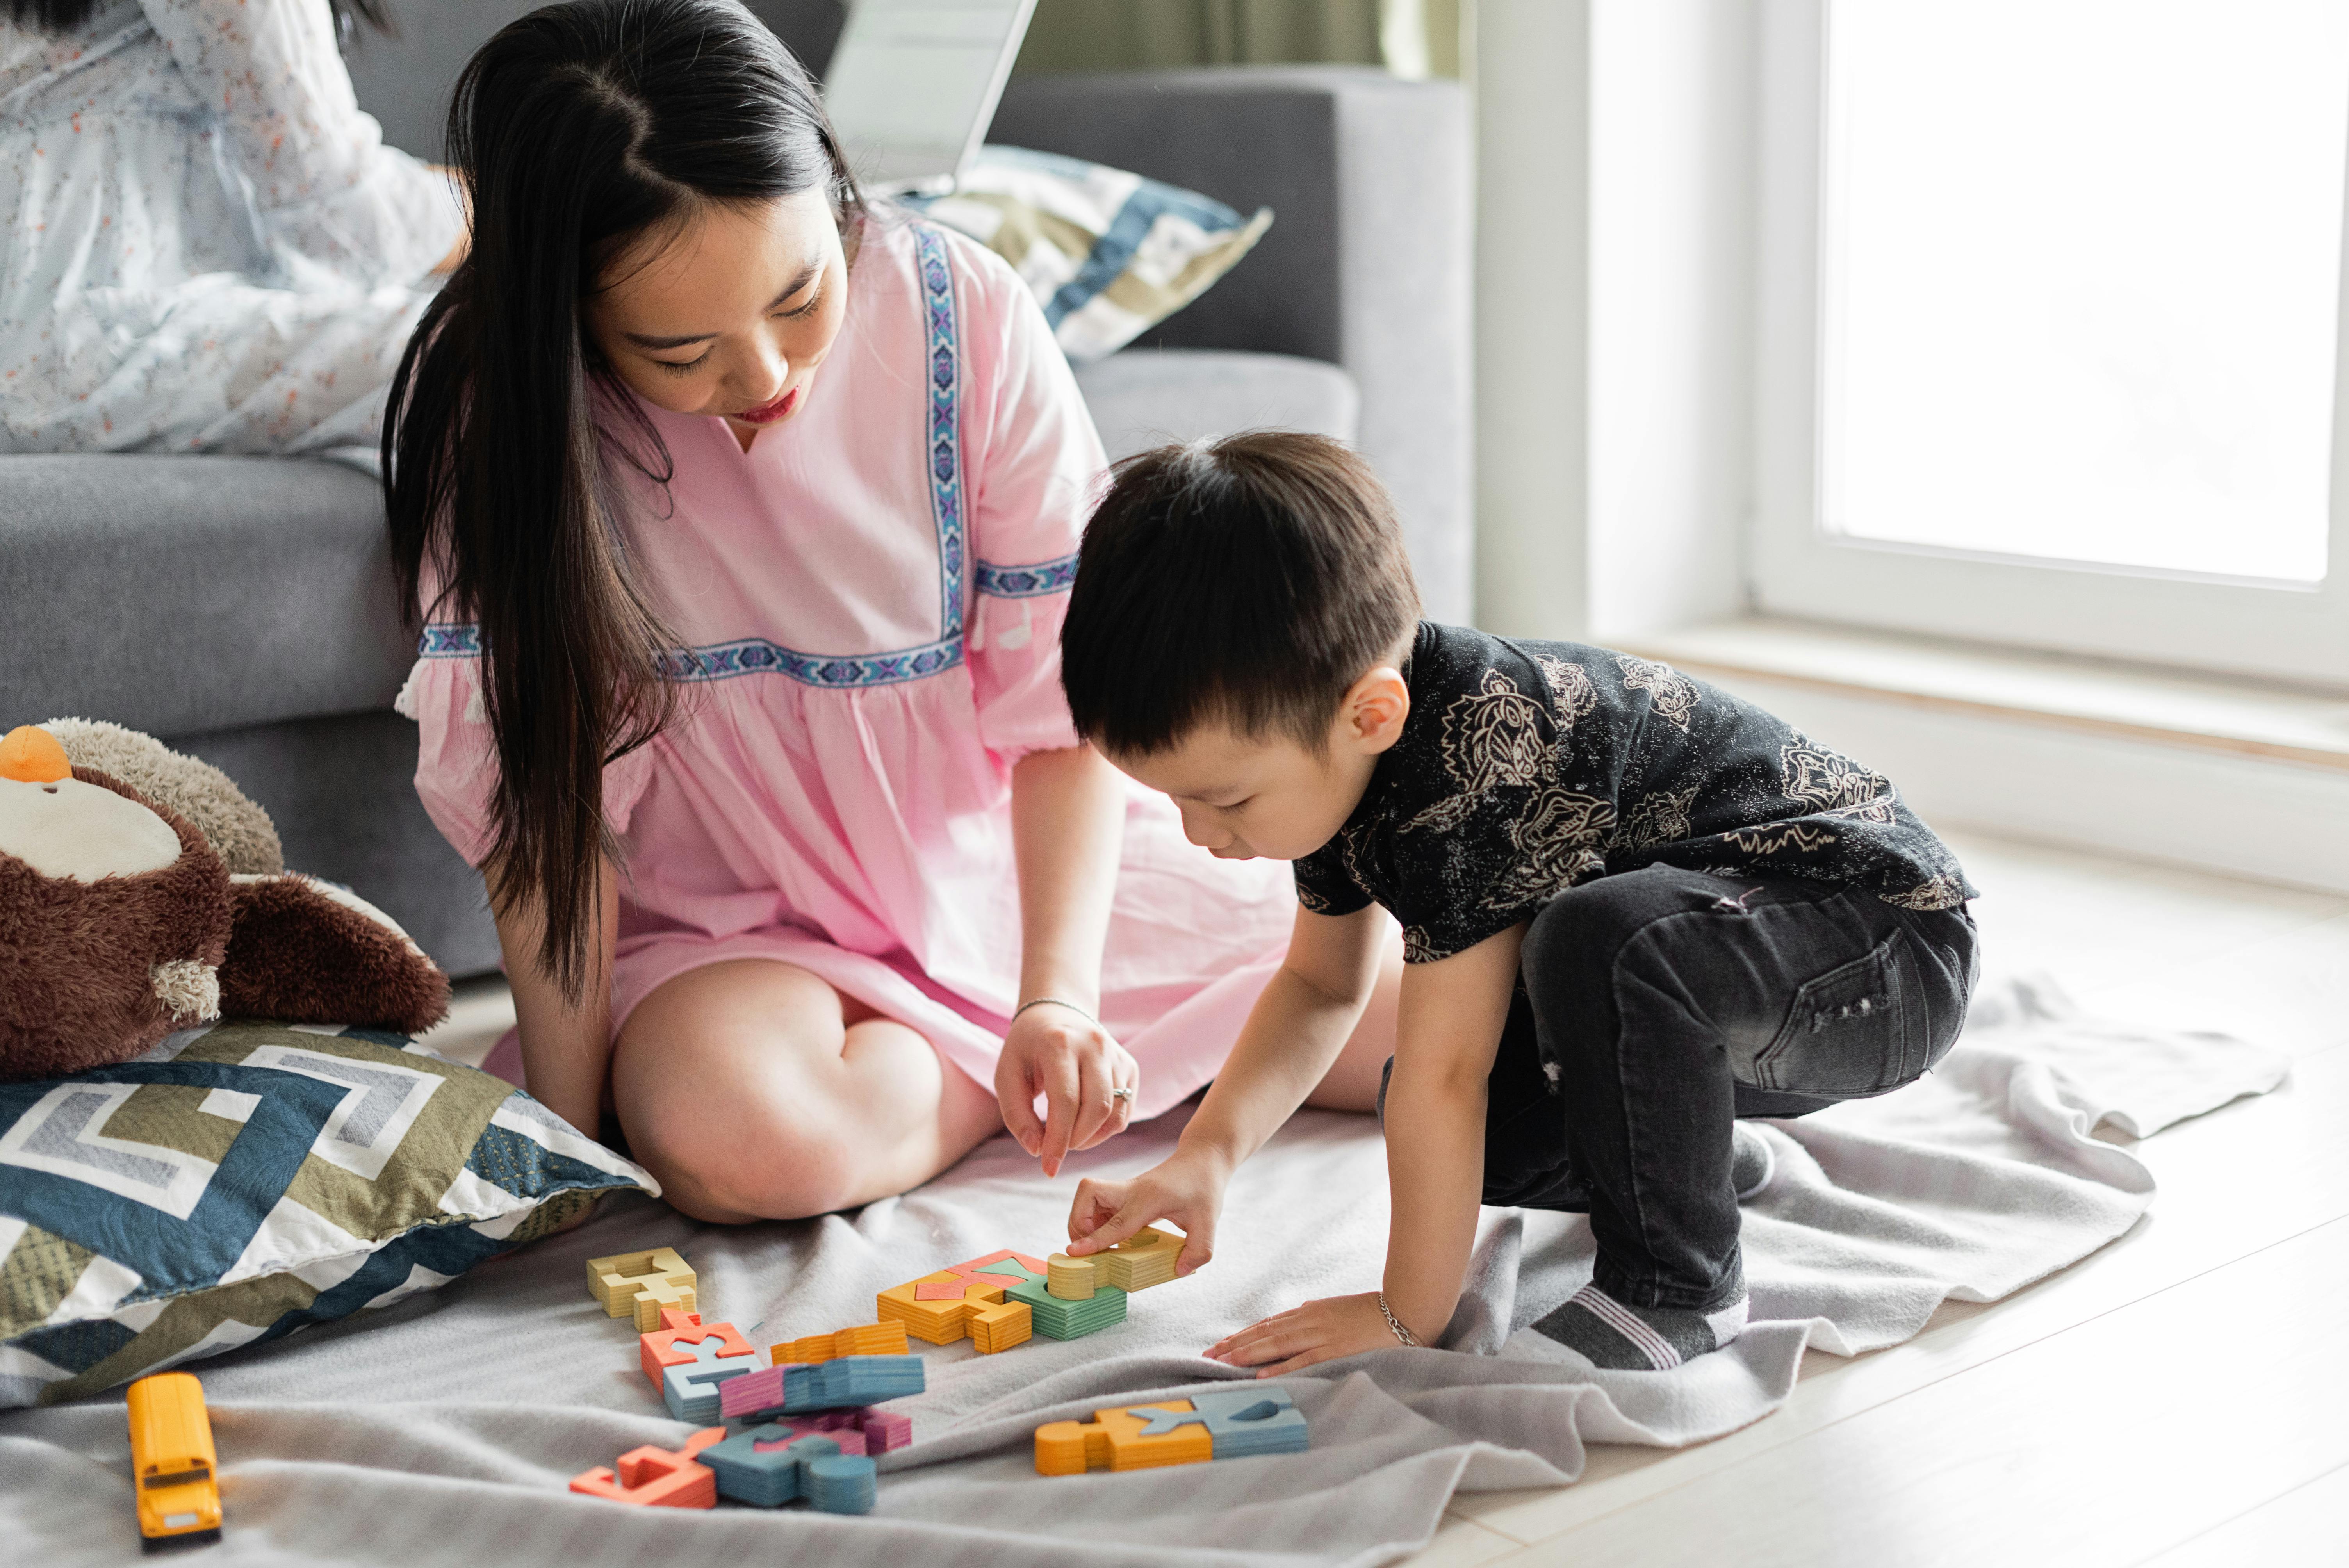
(210, 248)
(1525, 767)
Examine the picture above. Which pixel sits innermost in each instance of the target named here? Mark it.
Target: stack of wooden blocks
(709, 1371)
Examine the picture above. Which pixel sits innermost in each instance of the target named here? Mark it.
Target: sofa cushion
(1107, 254)
(1146, 397)
(181, 594)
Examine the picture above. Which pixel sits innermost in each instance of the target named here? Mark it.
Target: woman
(742, 517)
(210, 248)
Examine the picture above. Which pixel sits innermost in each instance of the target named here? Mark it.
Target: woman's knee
(747, 1159)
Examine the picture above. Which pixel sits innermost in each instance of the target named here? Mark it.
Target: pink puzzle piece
(940, 1290)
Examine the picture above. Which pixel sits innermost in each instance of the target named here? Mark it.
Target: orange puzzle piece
(658, 1351)
(964, 1299)
(1112, 1440)
(865, 1339)
(657, 1478)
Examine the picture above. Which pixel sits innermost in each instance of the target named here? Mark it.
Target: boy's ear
(1372, 713)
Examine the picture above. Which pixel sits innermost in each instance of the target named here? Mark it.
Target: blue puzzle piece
(689, 1388)
(1165, 1421)
(843, 1485)
(1247, 1421)
(850, 1380)
(766, 1466)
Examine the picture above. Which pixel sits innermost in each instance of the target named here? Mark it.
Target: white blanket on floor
(442, 1430)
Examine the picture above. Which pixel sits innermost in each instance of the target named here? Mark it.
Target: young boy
(1634, 907)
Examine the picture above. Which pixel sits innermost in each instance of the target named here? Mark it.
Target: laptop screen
(914, 82)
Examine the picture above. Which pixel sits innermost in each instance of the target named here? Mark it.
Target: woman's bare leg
(1352, 1082)
(754, 1091)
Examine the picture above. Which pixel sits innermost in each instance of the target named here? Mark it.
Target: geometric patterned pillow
(240, 1181)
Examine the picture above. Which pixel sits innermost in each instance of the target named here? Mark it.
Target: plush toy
(121, 921)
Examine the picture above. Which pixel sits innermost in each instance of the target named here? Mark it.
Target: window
(2051, 323)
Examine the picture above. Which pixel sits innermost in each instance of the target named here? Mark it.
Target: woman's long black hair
(57, 15)
(577, 130)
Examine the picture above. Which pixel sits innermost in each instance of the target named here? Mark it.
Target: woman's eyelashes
(688, 367)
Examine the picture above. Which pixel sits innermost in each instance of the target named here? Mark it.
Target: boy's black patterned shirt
(1527, 767)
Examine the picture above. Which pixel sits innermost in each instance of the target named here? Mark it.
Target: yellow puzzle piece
(865, 1339)
(1113, 1439)
(966, 1299)
(642, 1285)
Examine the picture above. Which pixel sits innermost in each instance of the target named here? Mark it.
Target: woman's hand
(1186, 1187)
(1324, 1330)
(1075, 1064)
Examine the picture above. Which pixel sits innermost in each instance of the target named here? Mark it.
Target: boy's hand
(1186, 1186)
(1325, 1330)
(1058, 1052)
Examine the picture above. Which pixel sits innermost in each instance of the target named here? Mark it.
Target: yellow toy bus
(172, 1461)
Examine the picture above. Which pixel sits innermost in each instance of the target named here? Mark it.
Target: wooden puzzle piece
(865, 1339)
(1144, 1259)
(1000, 1326)
(1058, 1319)
(675, 1343)
(1126, 1439)
(845, 1483)
(858, 1429)
(1244, 1422)
(766, 1466)
(755, 1395)
(1226, 1424)
(691, 1390)
(1006, 1265)
(642, 1285)
(850, 1380)
(938, 1307)
(1070, 1279)
(649, 1477)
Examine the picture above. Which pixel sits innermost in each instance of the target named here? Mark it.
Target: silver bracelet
(1056, 1002)
(1405, 1335)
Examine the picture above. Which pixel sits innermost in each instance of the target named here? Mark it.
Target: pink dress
(873, 596)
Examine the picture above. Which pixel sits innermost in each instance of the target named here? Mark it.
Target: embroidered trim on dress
(945, 423)
(1026, 582)
(757, 657)
(943, 456)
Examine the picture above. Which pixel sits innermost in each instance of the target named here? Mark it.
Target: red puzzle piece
(657, 1478)
(658, 1351)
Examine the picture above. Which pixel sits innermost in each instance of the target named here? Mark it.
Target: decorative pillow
(1110, 255)
(240, 1181)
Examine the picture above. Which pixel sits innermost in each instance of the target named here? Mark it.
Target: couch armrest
(182, 593)
(1369, 262)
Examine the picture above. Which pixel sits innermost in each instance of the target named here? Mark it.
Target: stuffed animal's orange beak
(31, 755)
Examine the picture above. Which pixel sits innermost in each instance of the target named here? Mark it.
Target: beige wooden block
(619, 1281)
(1144, 1259)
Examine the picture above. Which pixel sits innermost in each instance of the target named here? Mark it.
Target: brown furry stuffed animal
(119, 924)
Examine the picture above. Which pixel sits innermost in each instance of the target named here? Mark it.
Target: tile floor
(2179, 1397)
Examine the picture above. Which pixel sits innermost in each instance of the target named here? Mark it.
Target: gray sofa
(241, 607)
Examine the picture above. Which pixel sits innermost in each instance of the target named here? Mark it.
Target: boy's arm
(1453, 1011)
(1294, 1032)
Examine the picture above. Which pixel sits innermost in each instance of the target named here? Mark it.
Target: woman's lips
(772, 411)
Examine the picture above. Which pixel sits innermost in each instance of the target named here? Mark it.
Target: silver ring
(1121, 1094)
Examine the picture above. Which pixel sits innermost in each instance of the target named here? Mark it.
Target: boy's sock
(1752, 1163)
(1639, 1338)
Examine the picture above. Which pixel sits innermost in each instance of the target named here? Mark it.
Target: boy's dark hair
(1250, 580)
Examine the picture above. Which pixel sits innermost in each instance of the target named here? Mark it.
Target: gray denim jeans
(1657, 1007)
